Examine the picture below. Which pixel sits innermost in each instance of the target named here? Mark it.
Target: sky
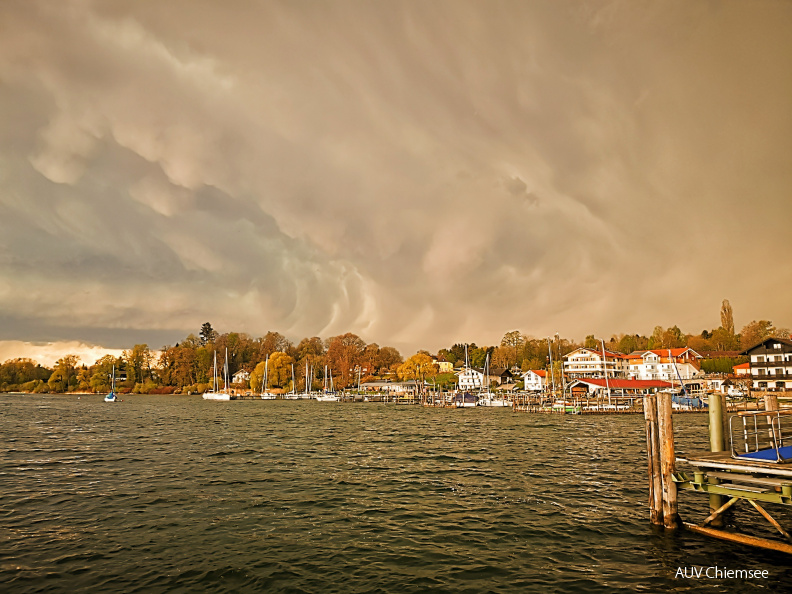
(418, 173)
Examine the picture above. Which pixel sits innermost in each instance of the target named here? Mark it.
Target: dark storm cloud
(415, 172)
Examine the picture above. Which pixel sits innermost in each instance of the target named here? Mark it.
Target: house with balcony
(535, 380)
(771, 364)
(663, 364)
(470, 378)
(586, 363)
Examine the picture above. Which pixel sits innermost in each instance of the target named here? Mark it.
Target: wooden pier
(724, 476)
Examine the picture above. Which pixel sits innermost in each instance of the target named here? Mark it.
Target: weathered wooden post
(653, 458)
(665, 427)
(770, 402)
(717, 437)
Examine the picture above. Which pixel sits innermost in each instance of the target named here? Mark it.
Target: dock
(749, 463)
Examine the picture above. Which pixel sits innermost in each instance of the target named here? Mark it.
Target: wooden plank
(743, 539)
(770, 519)
(724, 461)
(751, 480)
(720, 510)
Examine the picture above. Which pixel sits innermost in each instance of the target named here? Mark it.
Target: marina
(288, 495)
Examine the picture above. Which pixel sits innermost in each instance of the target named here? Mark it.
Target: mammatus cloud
(418, 173)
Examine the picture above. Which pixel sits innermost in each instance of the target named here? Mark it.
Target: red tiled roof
(626, 383)
(742, 366)
(539, 372)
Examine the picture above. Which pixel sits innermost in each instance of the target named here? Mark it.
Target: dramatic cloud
(415, 172)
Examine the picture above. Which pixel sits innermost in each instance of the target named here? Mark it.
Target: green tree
(591, 342)
(102, 374)
(207, 333)
(628, 344)
(64, 376)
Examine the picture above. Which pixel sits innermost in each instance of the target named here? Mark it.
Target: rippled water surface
(164, 493)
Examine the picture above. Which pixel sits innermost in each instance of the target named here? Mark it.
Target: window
(778, 358)
(777, 345)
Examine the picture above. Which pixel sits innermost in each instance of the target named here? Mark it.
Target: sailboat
(488, 398)
(328, 396)
(215, 393)
(465, 399)
(111, 397)
(264, 394)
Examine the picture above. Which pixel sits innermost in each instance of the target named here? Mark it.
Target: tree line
(188, 366)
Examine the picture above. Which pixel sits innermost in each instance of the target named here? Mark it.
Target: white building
(771, 364)
(663, 364)
(585, 362)
(470, 378)
(535, 380)
(240, 377)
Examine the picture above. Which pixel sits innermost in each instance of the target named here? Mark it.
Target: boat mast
(552, 375)
(563, 379)
(215, 385)
(605, 367)
(681, 383)
(293, 390)
(225, 372)
(266, 372)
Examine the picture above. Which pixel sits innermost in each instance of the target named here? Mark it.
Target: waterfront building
(499, 375)
(743, 369)
(588, 387)
(585, 362)
(470, 378)
(771, 364)
(663, 364)
(535, 380)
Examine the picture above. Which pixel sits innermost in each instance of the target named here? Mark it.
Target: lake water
(167, 493)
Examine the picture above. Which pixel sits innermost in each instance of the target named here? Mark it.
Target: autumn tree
(343, 354)
(257, 376)
(755, 332)
(727, 317)
(513, 339)
(279, 372)
(369, 359)
(418, 367)
(387, 358)
(138, 364)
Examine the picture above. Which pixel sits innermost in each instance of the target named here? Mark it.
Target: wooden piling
(665, 426)
(717, 437)
(653, 459)
(770, 402)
